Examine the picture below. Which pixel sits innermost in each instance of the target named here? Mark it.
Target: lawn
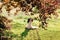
(20, 33)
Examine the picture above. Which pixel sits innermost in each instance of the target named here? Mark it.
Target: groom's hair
(29, 20)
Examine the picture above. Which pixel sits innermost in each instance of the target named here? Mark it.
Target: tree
(45, 7)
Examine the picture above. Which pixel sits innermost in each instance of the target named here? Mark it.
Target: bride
(29, 25)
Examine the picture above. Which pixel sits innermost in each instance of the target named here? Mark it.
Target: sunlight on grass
(18, 31)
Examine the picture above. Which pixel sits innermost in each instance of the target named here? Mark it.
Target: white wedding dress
(29, 26)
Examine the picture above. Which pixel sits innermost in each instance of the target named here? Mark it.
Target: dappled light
(29, 19)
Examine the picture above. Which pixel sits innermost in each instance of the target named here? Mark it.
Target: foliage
(34, 9)
(18, 31)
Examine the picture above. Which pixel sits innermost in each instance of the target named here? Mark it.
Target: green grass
(20, 33)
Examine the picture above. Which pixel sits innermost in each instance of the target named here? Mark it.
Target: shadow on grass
(24, 34)
(37, 32)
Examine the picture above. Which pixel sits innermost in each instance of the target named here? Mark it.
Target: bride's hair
(29, 20)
